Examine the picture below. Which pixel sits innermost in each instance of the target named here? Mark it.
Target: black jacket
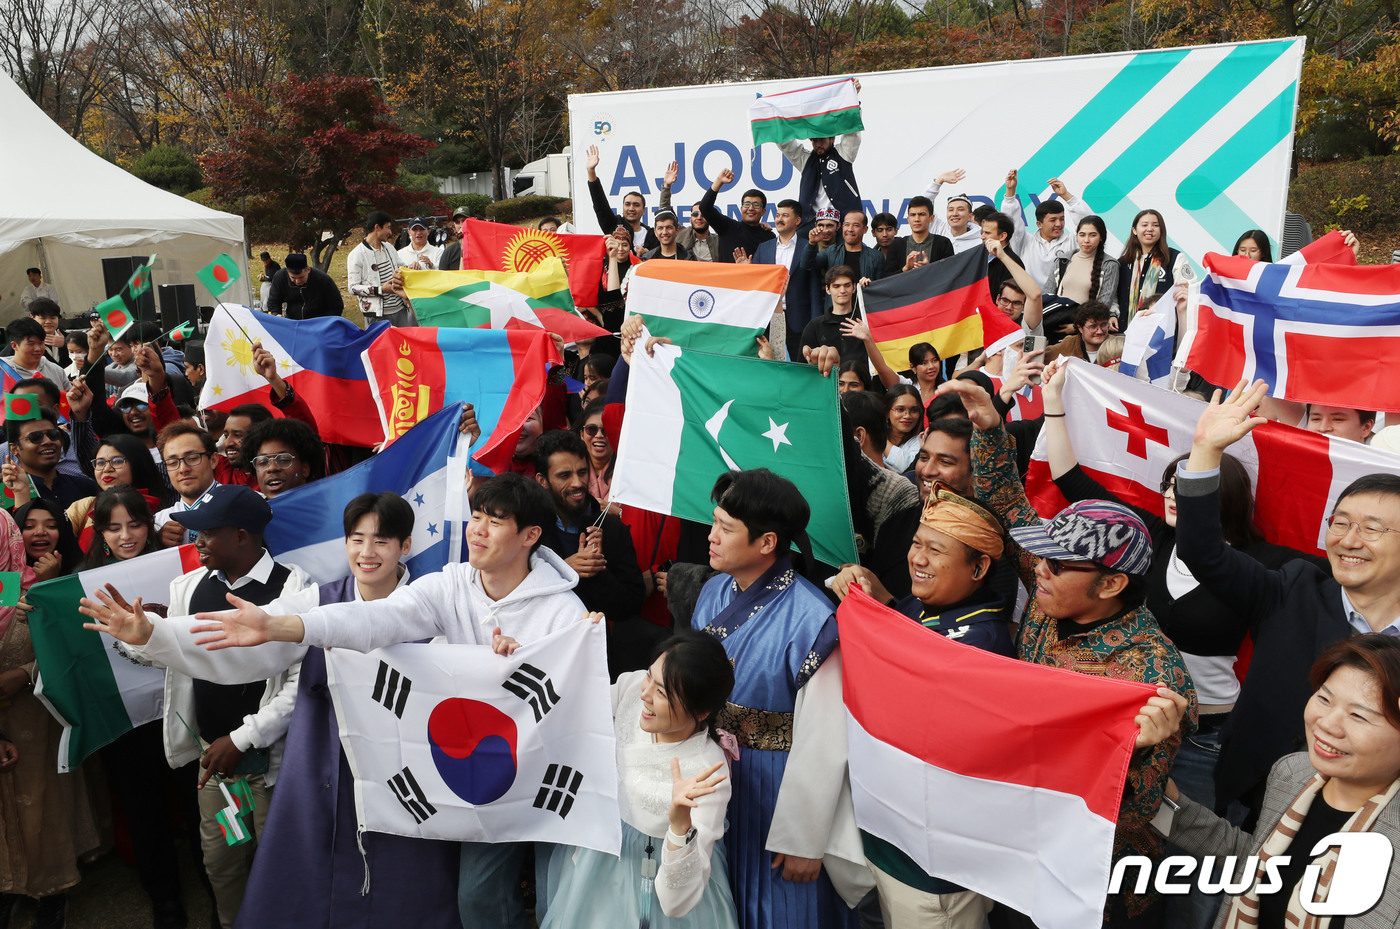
(618, 590)
(732, 233)
(319, 296)
(608, 220)
(899, 252)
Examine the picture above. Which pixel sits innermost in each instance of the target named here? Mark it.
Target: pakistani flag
(94, 690)
(693, 415)
(219, 275)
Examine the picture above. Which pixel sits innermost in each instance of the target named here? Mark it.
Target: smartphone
(1033, 343)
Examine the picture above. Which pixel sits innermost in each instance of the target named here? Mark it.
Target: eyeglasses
(1340, 526)
(102, 464)
(1169, 484)
(1097, 325)
(593, 429)
(1057, 568)
(1014, 304)
(38, 436)
(282, 460)
(191, 460)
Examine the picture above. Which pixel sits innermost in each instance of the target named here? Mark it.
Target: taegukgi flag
(693, 415)
(1015, 798)
(458, 743)
(707, 305)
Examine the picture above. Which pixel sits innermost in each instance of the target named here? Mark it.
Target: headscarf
(964, 520)
(67, 546)
(12, 558)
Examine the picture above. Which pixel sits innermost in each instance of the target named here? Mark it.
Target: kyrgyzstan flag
(414, 372)
(1010, 786)
(1125, 433)
(936, 303)
(501, 247)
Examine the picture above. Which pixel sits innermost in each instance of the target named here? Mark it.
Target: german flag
(936, 303)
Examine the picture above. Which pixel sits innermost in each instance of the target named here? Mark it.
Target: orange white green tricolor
(705, 305)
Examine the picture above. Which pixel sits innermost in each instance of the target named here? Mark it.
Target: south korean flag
(456, 742)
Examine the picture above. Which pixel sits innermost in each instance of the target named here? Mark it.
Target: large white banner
(1204, 135)
(456, 742)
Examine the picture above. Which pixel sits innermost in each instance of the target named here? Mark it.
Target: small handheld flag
(9, 588)
(115, 316)
(21, 406)
(233, 820)
(182, 332)
(219, 275)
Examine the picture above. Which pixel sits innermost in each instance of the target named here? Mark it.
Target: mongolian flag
(936, 303)
(501, 247)
(414, 372)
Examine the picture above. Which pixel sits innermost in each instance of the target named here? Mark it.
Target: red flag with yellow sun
(502, 247)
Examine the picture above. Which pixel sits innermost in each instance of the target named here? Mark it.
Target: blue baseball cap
(236, 505)
(1108, 534)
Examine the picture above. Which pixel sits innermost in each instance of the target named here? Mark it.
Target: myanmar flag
(936, 303)
(501, 247)
(816, 112)
(96, 692)
(693, 415)
(706, 305)
(499, 300)
(219, 275)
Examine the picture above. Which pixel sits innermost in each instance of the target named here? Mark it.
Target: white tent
(64, 208)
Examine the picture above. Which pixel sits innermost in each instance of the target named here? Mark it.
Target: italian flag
(706, 305)
(816, 112)
(693, 415)
(95, 691)
(1013, 794)
(539, 297)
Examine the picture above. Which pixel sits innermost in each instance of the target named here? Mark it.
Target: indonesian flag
(1296, 324)
(502, 247)
(458, 743)
(1125, 432)
(1015, 797)
(937, 303)
(816, 112)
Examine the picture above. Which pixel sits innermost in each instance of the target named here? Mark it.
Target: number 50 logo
(602, 125)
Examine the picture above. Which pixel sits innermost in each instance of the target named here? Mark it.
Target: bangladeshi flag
(1014, 797)
(414, 372)
(936, 303)
(219, 275)
(501, 247)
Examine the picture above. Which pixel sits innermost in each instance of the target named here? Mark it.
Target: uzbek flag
(1018, 805)
(414, 372)
(816, 112)
(95, 691)
(693, 415)
(502, 247)
(707, 305)
(936, 303)
(537, 298)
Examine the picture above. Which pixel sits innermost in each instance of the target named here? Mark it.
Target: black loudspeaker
(177, 306)
(116, 272)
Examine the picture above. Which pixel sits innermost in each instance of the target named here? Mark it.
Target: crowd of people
(722, 641)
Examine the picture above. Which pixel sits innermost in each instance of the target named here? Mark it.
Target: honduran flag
(503, 247)
(427, 467)
(91, 688)
(1019, 806)
(936, 303)
(815, 112)
(416, 372)
(1126, 432)
(705, 305)
(499, 300)
(319, 358)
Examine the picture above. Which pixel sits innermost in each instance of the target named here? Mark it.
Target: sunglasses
(593, 429)
(1057, 568)
(38, 436)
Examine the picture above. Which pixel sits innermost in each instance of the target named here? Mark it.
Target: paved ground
(110, 897)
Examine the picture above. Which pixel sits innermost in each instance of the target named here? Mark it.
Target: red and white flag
(1015, 798)
(1126, 432)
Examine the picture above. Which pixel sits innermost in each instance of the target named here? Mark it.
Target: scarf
(1244, 909)
(12, 558)
(1144, 284)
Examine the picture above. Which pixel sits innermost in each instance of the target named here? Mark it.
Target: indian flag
(817, 112)
(95, 691)
(706, 305)
(499, 300)
(693, 415)
(1019, 806)
(936, 304)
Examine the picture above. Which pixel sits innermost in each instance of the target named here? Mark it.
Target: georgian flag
(1125, 432)
(458, 743)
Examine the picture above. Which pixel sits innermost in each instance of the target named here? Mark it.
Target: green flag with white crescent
(693, 415)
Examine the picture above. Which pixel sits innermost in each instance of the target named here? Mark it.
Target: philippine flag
(455, 742)
(502, 373)
(319, 358)
(1015, 797)
(424, 467)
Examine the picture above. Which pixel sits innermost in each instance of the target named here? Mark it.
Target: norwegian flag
(1125, 432)
(1298, 323)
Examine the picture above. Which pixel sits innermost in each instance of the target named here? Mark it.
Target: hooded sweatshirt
(453, 604)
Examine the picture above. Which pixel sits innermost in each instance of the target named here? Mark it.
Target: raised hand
(246, 625)
(48, 567)
(1225, 422)
(856, 328)
(468, 426)
(125, 622)
(1011, 183)
(593, 158)
(741, 257)
(726, 176)
(16, 481)
(1051, 389)
(686, 791)
(1058, 186)
(952, 177)
(673, 171)
(978, 402)
(1028, 367)
(80, 399)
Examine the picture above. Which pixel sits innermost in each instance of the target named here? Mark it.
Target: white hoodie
(453, 604)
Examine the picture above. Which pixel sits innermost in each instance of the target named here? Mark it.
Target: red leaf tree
(310, 164)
